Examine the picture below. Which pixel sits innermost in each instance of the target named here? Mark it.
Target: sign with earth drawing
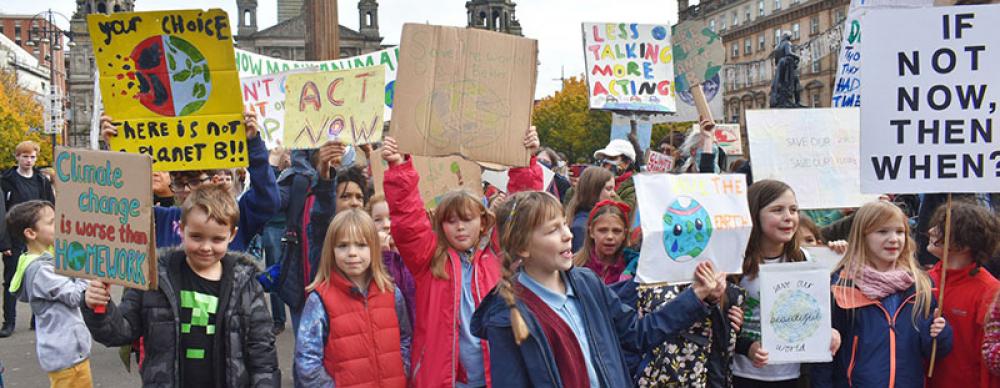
(795, 312)
(169, 82)
(689, 218)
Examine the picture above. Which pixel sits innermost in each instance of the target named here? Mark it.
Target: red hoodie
(968, 293)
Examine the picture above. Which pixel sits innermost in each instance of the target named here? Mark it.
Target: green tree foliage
(19, 112)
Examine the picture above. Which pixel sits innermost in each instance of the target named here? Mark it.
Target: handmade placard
(689, 218)
(727, 136)
(323, 106)
(168, 80)
(698, 54)
(795, 312)
(265, 95)
(104, 217)
(629, 66)
(438, 175)
(658, 162)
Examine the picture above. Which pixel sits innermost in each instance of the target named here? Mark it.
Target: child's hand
(758, 355)
(834, 342)
(839, 246)
(330, 155)
(250, 118)
(531, 142)
(704, 280)
(736, 318)
(108, 129)
(387, 243)
(96, 294)
(390, 151)
(720, 286)
(938, 325)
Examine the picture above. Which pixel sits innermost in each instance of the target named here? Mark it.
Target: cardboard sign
(254, 65)
(928, 120)
(795, 312)
(169, 79)
(698, 53)
(464, 91)
(500, 178)
(689, 218)
(266, 95)
(824, 256)
(345, 105)
(815, 151)
(658, 162)
(104, 217)
(727, 136)
(438, 176)
(621, 126)
(629, 66)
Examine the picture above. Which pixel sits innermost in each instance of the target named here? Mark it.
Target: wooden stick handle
(701, 103)
(944, 275)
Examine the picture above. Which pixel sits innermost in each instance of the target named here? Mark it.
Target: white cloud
(555, 23)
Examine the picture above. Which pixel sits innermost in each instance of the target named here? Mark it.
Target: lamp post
(52, 35)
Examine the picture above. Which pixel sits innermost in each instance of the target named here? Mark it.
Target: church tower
(247, 18)
(493, 15)
(368, 15)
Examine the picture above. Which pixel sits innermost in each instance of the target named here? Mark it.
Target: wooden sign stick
(701, 103)
(944, 274)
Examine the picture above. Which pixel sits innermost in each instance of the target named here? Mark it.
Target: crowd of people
(532, 287)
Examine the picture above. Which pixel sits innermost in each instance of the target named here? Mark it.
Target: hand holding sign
(390, 151)
(97, 295)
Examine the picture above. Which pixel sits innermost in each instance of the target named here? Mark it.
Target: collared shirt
(470, 350)
(568, 308)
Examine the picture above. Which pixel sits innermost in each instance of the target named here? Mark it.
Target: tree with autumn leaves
(566, 123)
(20, 120)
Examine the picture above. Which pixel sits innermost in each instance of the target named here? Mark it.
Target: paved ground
(17, 353)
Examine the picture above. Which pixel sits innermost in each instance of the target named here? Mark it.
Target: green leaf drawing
(206, 73)
(197, 70)
(187, 48)
(192, 107)
(182, 76)
(188, 63)
(171, 63)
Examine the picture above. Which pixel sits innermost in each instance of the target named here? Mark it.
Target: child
(595, 185)
(453, 265)
(354, 329)
(379, 210)
(772, 240)
(969, 291)
(882, 307)
(809, 234)
(63, 343)
(604, 249)
(552, 324)
(207, 325)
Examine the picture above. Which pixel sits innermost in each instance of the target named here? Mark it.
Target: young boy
(208, 324)
(969, 291)
(63, 343)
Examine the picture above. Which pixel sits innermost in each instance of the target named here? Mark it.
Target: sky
(554, 23)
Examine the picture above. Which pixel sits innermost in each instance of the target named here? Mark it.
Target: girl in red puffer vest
(354, 330)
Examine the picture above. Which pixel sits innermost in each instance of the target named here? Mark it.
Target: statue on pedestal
(785, 87)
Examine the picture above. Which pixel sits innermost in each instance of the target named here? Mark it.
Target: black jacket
(246, 352)
(13, 187)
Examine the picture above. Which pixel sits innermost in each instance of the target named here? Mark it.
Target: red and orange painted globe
(172, 75)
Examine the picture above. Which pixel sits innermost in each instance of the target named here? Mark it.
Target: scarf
(565, 348)
(621, 179)
(609, 273)
(877, 285)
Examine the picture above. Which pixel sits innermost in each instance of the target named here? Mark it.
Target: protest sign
(698, 54)
(824, 256)
(727, 136)
(658, 162)
(927, 125)
(168, 79)
(345, 105)
(621, 125)
(438, 176)
(629, 66)
(795, 312)
(815, 151)
(266, 95)
(689, 218)
(104, 217)
(464, 91)
(499, 178)
(254, 65)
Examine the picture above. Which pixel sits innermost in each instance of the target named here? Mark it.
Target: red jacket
(435, 338)
(968, 294)
(362, 347)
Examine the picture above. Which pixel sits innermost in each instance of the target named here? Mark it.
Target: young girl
(604, 249)
(555, 325)
(809, 234)
(354, 328)
(772, 240)
(453, 265)
(596, 184)
(379, 210)
(883, 307)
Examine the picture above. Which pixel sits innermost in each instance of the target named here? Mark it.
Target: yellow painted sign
(169, 81)
(346, 105)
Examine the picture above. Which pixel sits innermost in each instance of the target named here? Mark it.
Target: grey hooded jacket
(62, 339)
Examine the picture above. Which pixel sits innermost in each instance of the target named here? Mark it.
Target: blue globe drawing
(687, 228)
(795, 315)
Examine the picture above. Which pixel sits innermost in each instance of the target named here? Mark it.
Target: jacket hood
(241, 261)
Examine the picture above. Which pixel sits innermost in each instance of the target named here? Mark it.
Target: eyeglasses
(189, 185)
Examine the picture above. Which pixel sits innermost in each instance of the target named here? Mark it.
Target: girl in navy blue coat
(882, 307)
(554, 325)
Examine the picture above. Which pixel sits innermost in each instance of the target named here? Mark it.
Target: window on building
(777, 36)
(814, 25)
(723, 21)
(761, 42)
(816, 64)
(736, 18)
(795, 2)
(711, 25)
(840, 15)
(747, 46)
(795, 31)
(760, 7)
(746, 14)
(777, 5)
(815, 99)
(736, 50)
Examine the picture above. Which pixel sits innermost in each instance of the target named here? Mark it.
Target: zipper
(456, 317)
(591, 340)
(850, 367)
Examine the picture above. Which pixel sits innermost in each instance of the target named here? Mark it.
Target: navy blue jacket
(878, 348)
(611, 326)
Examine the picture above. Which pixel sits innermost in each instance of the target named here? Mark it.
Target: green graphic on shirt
(202, 307)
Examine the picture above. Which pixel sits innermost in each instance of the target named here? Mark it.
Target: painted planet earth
(795, 316)
(76, 256)
(687, 228)
(173, 75)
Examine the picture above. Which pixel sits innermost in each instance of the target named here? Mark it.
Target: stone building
(750, 30)
(22, 29)
(286, 40)
(494, 15)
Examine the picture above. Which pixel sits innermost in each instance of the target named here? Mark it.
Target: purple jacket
(402, 277)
